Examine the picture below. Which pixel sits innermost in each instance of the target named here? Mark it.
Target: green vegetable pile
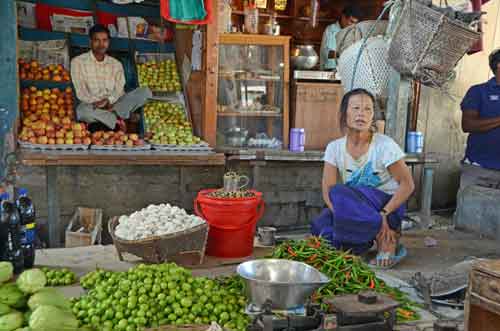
(62, 277)
(28, 305)
(348, 273)
(153, 295)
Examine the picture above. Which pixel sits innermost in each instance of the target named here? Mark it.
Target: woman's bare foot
(385, 250)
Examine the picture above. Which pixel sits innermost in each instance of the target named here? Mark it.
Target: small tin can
(297, 139)
(414, 142)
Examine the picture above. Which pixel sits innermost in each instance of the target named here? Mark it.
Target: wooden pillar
(9, 93)
(211, 63)
(397, 108)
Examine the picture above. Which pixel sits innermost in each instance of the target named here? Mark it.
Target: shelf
(321, 20)
(287, 17)
(43, 84)
(82, 41)
(252, 79)
(108, 7)
(250, 114)
(242, 13)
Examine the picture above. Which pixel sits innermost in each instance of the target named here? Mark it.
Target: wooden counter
(315, 107)
(106, 158)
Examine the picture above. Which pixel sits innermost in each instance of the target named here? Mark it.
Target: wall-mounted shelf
(82, 41)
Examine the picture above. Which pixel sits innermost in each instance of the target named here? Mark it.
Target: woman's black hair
(494, 60)
(97, 29)
(345, 104)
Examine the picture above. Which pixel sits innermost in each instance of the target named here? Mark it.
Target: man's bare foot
(120, 124)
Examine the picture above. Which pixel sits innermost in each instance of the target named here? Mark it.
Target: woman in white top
(365, 183)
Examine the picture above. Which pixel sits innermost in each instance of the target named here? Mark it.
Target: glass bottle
(251, 18)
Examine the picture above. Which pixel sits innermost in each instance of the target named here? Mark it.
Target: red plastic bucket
(231, 238)
(228, 212)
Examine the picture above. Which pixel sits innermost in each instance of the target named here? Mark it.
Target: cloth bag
(356, 220)
(187, 11)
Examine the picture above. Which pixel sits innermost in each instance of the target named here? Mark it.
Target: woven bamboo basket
(427, 45)
(350, 35)
(185, 327)
(162, 248)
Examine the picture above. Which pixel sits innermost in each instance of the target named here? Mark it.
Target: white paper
(26, 14)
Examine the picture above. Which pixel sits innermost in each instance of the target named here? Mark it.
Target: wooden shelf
(251, 79)
(261, 14)
(321, 20)
(249, 114)
(106, 158)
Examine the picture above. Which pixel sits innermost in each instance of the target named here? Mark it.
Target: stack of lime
(59, 277)
(153, 295)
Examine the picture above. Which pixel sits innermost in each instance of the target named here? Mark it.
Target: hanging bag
(187, 11)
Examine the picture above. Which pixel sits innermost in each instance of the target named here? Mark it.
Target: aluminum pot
(304, 57)
(286, 284)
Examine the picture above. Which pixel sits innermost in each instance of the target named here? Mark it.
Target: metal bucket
(286, 284)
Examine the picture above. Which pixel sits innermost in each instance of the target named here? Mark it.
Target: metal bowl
(304, 57)
(286, 284)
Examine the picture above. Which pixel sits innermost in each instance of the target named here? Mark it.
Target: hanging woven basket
(427, 45)
(348, 36)
(373, 70)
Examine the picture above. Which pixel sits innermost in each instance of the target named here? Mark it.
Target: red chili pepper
(291, 252)
(372, 284)
(312, 258)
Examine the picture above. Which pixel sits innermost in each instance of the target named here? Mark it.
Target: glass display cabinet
(253, 90)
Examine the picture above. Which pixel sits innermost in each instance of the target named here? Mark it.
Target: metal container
(304, 57)
(286, 284)
(236, 137)
(414, 142)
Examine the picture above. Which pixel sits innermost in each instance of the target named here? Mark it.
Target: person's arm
(119, 80)
(79, 83)
(472, 122)
(402, 175)
(329, 180)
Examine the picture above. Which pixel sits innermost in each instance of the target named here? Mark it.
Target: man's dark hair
(97, 29)
(494, 60)
(352, 11)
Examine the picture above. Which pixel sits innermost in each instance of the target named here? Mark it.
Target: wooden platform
(111, 158)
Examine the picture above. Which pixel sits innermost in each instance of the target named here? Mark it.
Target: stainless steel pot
(236, 137)
(304, 57)
(287, 284)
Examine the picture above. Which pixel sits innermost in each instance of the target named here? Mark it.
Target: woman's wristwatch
(384, 212)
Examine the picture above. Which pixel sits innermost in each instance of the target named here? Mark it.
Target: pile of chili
(348, 273)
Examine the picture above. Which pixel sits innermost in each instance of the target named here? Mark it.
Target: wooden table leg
(53, 207)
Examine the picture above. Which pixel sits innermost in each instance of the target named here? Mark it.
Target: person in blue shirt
(327, 58)
(481, 119)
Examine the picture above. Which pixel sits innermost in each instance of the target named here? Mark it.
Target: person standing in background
(328, 53)
(481, 120)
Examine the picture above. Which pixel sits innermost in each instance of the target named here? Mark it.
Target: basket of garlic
(159, 233)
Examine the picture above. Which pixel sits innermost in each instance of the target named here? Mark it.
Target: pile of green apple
(166, 124)
(159, 76)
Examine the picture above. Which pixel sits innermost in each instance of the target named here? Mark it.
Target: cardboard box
(84, 228)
